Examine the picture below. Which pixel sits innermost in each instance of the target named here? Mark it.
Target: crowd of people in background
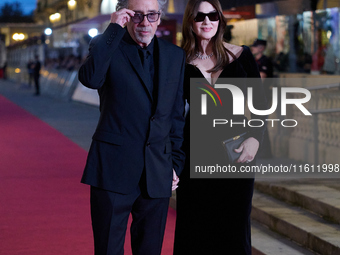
(69, 63)
(325, 60)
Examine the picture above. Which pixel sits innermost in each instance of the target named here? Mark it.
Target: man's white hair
(124, 4)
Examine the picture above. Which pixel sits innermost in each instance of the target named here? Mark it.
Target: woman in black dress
(213, 215)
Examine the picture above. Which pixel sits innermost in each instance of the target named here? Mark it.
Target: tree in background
(13, 13)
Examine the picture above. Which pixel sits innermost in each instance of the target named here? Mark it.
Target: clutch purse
(233, 143)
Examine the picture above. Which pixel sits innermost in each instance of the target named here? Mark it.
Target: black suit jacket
(131, 137)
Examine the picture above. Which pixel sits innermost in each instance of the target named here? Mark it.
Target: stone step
(299, 225)
(319, 199)
(267, 242)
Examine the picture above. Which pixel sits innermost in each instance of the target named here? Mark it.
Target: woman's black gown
(213, 215)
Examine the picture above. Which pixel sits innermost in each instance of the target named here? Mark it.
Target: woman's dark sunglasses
(213, 16)
(139, 17)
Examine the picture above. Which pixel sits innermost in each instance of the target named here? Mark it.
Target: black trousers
(110, 212)
(37, 84)
(30, 79)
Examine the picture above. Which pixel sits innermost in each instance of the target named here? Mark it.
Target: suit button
(153, 118)
(148, 144)
(108, 42)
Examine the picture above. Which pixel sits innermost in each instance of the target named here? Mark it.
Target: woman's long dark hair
(189, 42)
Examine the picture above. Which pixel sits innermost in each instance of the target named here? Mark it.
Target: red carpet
(44, 210)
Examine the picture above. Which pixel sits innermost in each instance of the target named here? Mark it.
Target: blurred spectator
(264, 63)
(3, 58)
(266, 71)
(281, 62)
(30, 71)
(69, 63)
(4, 71)
(330, 65)
(318, 58)
(304, 63)
(36, 74)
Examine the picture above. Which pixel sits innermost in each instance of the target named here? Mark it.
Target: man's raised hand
(122, 16)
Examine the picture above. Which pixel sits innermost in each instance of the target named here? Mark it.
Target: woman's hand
(248, 150)
(122, 16)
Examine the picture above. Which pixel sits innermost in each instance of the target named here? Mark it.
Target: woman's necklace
(200, 56)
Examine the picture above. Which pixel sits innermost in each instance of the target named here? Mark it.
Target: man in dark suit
(266, 71)
(135, 155)
(36, 74)
(264, 63)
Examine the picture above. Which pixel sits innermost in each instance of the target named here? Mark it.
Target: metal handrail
(328, 86)
(325, 111)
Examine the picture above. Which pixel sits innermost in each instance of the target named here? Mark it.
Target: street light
(55, 17)
(18, 36)
(48, 31)
(108, 6)
(72, 4)
(93, 32)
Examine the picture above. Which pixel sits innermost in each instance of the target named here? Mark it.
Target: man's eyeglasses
(139, 17)
(213, 16)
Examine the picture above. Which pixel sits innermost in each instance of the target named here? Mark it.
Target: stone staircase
(296, 216)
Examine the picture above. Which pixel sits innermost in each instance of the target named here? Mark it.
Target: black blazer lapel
(131, 52)
(163, 60)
